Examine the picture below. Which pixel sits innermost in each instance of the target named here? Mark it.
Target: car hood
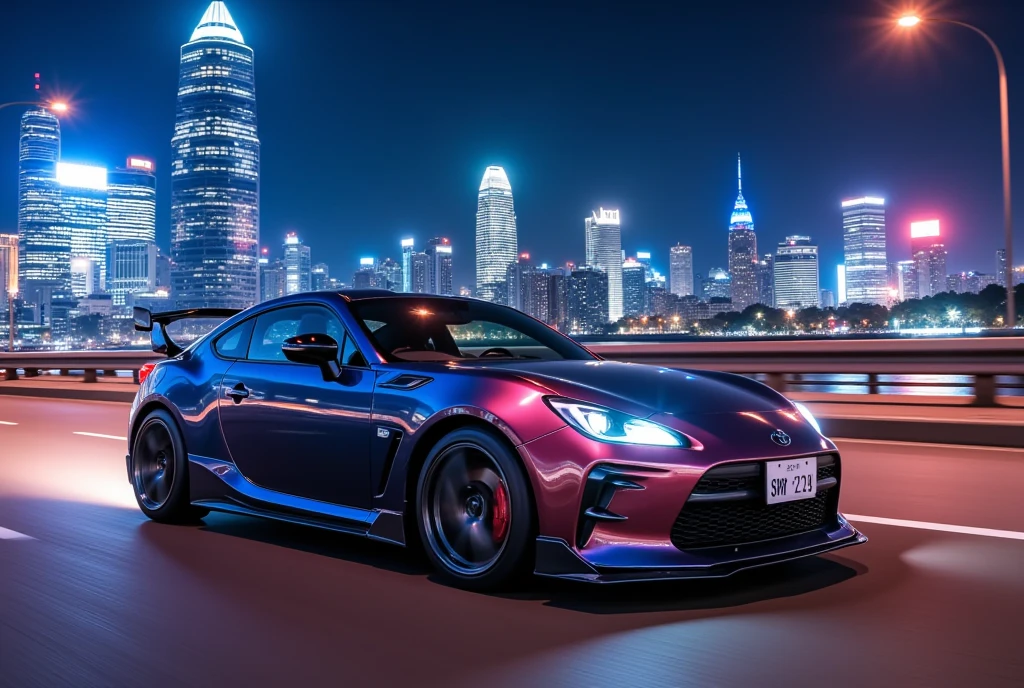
(645, 390)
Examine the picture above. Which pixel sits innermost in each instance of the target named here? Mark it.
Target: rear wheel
(475, 511)
(160, 471)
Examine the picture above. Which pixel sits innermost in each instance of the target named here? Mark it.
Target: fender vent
(602, 483)
(406, 382)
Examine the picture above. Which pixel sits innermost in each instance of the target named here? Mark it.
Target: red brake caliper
(499, 513)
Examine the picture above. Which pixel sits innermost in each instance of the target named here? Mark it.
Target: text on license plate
(788, 481)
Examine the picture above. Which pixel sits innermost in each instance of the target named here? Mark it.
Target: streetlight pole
(1004, 117)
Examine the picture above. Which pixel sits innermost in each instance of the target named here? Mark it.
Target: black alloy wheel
(160, 471)
(475, 510)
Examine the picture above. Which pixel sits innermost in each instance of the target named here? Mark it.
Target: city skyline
(784, 198)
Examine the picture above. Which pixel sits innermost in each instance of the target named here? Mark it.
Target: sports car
(481, 436)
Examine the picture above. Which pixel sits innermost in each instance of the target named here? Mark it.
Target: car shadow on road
(789, 579)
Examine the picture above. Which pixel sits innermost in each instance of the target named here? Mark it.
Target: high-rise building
(389, 274)
(558, 298)
(742, 250)
(680, 270)
(527, 288)
(319, 277)
(163, 270)
(604, 251)
(8, 269)
(841, 284)
(85, 276)
(907, 283)
(644, 258)
(796, 273)
(718, 285)
(83, 210)
(864, 250)
(766, 280)
(44, 256)
(420, 274)
(272, 283)
(587, 300)
(215, 173)
(366, 276)
(407, 251)
(929, 257)
(131, 201)
(439, 266)
(131, 268)
(634, 288)
(497, 243)
(827, 297)
(298, 266)
(1001, 266)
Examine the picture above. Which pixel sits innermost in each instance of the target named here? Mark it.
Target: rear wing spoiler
(157, 323)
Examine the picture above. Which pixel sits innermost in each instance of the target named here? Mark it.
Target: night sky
(378, 118)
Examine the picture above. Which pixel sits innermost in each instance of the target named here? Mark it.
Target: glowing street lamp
(912, 20)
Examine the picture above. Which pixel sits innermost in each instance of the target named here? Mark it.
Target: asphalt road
(92, 594)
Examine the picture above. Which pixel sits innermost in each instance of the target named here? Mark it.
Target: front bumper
(556, 559)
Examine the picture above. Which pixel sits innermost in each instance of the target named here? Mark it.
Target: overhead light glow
(909, 20)
(366, 261)
(59, 107)
(866, 200)
(82, 176)
(924, 228)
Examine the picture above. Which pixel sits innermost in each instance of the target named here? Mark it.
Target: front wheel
(475, 511)
(159, 471)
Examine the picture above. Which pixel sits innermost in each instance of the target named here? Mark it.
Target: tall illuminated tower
(604, 251)
(83, 209)
(497, 243)
(743, 258)
(867, 274)
(44, 256)
(929, 252)
(680, 270)
(215, 173)
(131, 201)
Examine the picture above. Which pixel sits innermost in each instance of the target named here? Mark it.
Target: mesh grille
(714, 524)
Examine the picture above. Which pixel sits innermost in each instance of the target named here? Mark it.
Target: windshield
(430, 329)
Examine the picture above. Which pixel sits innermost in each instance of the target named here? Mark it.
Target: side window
(234, 342)
(274, 327)
(350, 356)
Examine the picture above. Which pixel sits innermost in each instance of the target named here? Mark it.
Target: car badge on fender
(782, 439)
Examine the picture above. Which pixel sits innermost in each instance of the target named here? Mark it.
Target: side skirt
(217, 485)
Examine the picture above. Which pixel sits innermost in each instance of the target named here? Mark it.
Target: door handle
(238, 392)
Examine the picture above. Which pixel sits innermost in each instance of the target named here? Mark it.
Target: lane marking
(972, 447)
(946, 528)
(102, 437)
(6, 422)
(13, 535)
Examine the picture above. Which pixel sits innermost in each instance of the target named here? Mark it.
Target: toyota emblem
(782, 439)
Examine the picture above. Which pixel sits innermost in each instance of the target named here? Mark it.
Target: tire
(159, 471)
(472, 485)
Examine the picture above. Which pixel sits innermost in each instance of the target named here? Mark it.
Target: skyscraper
(366, 276)
(766, 280)
(439, 266)
(407, 251)
(83, 211)
(8, 269)
(131, 201)
(841, 284)
(497, 242)
(298, 266)
(389, 274)
(864, 250)
(929, 257)
(320, 277)
(44, 255)
(796, 274)
(271, 277)
(718, 285)
(604, 251)
(742, 250)
(1001, 267)
(907, 286)
(634, 288)
(131, 268)
(215, 174)
(420, 274)
(587, 300)
(680, 270)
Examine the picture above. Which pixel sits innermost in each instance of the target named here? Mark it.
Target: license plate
(788, 481)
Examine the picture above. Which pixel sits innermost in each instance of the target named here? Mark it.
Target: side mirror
(143, 319)
(314, 349)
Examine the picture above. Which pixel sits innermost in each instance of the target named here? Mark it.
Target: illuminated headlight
(808, 416)
(607, 425)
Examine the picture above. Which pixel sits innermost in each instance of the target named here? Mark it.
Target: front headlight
(808, 416)
(607, 425)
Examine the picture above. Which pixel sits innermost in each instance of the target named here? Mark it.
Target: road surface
(92, 594)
